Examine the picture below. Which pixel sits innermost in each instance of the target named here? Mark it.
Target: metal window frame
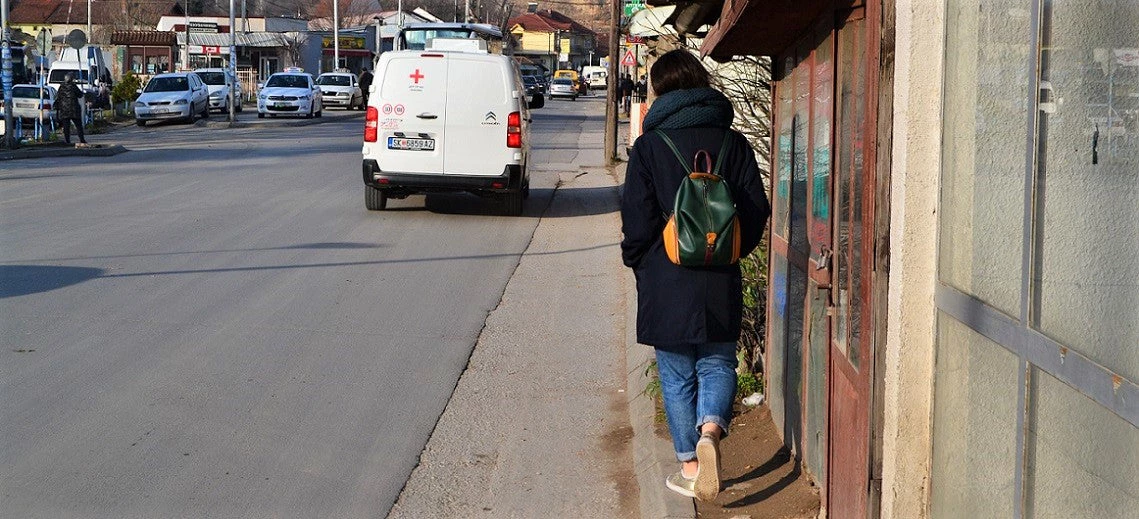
(1017, 335)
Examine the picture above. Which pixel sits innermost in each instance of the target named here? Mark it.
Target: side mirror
(538, 101)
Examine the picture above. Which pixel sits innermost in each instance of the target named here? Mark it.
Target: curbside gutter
(653, 457)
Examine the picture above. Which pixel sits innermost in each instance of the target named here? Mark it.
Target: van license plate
(399, 143)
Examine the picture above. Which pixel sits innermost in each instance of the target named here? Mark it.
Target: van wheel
(140, 123)
(260, 115)
(375, 199)
(512, 203)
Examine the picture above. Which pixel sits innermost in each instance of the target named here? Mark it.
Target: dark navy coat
(679, 306)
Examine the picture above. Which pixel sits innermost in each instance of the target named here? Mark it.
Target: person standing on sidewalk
(67, 108)
(365, 84)
(691, 316)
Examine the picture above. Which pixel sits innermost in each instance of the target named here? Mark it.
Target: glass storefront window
(984, 157)
(974, 425)
(1087, 273)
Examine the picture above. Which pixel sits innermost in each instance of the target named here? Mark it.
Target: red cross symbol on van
(416, 76)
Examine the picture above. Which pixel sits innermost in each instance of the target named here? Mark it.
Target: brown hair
(675, 70)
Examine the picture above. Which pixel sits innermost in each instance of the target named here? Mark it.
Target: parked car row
(189, 95)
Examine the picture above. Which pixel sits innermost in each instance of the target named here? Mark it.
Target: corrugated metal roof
(251, 39)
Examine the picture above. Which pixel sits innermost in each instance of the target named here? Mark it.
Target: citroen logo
(490, 117)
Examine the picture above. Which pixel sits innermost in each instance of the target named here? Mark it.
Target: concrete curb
(36, 152)
(274, 122)
(653, 457)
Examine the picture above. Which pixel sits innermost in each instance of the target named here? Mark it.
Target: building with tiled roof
(554, 39)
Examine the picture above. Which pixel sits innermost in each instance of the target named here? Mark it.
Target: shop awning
(761, 27)
(144, 38)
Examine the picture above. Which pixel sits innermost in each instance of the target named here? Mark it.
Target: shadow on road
(20, 280)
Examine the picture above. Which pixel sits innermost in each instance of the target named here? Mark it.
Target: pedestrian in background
(690, 315)
(626, 87)
(642, 88)
(365, 83)
(68, 108)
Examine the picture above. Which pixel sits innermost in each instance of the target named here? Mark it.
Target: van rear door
(413, 113)
(477, 120)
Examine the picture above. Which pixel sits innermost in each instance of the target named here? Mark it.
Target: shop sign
(346, 42)
(203, 27)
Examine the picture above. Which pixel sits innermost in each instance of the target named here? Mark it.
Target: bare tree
(294, 47)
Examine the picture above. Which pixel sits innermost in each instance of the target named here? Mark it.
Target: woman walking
(690, 315)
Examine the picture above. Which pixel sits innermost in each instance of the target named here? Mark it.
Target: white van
(594, 76)
(451, 117)
(81, 63)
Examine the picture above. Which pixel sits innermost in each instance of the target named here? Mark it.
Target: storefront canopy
(762, 27)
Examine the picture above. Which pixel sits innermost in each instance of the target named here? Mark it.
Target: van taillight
(371, 124)
(514, 130)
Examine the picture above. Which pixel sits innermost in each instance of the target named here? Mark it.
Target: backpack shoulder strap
(720, 155)
(675, 151)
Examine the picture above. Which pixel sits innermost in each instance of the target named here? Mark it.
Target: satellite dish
(76, 39)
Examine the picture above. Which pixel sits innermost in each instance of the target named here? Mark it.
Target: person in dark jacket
(67, 108)
(626, 90)
(691, 316)
(365, 82)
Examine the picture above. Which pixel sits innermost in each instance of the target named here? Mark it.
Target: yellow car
(570, 75)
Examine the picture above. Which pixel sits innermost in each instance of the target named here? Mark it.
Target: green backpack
(703, 229)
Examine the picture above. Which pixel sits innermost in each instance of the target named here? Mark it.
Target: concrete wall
(908, 385)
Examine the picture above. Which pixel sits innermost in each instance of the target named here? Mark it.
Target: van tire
(260, 115)
(375, 199)
(141, 123)
(512, 203)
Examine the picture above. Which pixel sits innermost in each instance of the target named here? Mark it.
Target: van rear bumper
(510, 180)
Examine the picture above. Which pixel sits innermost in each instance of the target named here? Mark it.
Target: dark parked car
(533, 85)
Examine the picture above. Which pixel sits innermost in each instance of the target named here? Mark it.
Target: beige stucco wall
(909, 355)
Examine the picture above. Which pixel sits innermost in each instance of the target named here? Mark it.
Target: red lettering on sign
(416, 76)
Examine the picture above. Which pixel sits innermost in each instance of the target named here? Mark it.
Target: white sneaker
(707, 485)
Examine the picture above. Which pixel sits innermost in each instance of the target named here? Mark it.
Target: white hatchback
(178, 95)
(289, 93)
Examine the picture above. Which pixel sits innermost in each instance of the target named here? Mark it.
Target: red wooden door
(851, 364)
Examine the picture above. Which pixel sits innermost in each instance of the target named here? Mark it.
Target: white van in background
(451, 117)
(594, 76)
(81, 63)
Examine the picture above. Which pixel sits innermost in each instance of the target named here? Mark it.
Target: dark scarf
(692, 108)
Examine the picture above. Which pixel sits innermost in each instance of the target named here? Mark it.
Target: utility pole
(186, 54)
(232, 64)
(6, 72)
(89, 38)
(611, 84)
(335, 35)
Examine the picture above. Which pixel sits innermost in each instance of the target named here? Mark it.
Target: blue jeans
(698, 385)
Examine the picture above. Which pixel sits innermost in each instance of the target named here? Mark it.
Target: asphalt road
(212, 325)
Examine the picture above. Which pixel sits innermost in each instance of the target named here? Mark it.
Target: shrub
(126, 89)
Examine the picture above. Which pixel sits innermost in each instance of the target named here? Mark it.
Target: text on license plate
(400, 143)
